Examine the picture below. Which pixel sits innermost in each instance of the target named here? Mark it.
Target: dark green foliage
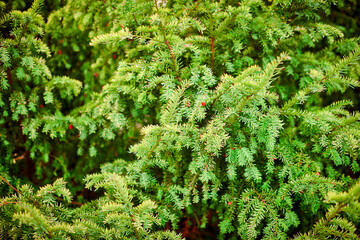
(241, 115)
(31, 97)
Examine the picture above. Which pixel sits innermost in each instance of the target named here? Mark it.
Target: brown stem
(137, 23)
(22, 34)
(191, 184)
(263, 201)
(195, 178)
(340, 126)
(216, 98)
(135, 229)
(278, 44)
(152, 150)
(328, 219)
(173, 59)
(196, 5)
(167, 44)
(72, 202)
(239, 107)
(339, 209)
(5, 203)
(50, 235)
(9, 76)
(15, 189)
(10, 185)
(155, 146)
(156, 5)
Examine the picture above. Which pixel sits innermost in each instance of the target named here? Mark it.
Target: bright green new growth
(237, 115)
(113, 216)
(333, 225)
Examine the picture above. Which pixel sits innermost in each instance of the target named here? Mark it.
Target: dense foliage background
(190, 119)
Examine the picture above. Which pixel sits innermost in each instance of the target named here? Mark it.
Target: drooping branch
(10, 185)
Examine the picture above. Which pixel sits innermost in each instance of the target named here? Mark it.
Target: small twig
(270, 210)
(22, 34)
(197, 3)
(193, 181)
(152, 149)
(9, 76)
(155, 146)
(173, 59)
(10, 185)
(72, 202)
(5, 203)
(328, 219)
(197, 219)
(21, 157)
(135, 19)
(16, 189)
(156, 5)
(341, 126)
(168, 45)
(239, 107)
(217, 97)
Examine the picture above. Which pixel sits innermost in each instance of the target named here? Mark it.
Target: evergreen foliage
(31, 96)
(240, 115)
(333, 225)
(40, 215)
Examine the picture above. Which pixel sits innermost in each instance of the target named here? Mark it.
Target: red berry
(102, 86)
(149, 27)
(225, 155)
(273, 159)
(59, 52)
(188, 104)
(96, 75)
(247, 199)
(107, 24)
(61, 41)
(71, 126)
(317, 173)
(122, 26)
(229, 203)
(300, 163)
(232, 148)
(203, 104)
(238, 3)
(301, 191)
(114, 56)
(84, 94)
(41, 106)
